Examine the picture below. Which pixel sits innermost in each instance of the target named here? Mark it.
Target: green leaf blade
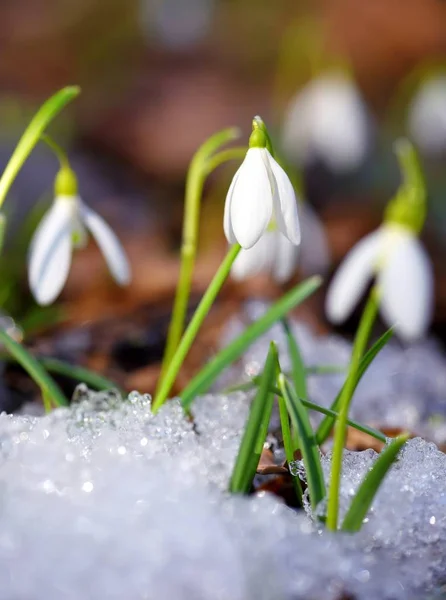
(34, 369)
(307, 440)
(326, 425)
(255, 430)
(298, 372)
(46, 113)
(201, 382)
(367, 490)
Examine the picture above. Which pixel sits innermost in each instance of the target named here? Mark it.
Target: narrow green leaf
(326, 425)
(54, 365)
(34, 369)
(313, 370)
(31, 136)
(204, 379)
(307, 440)
(255, 430)
(288, 444)
(298, 374)
(367, 490)
(375, 433)
(359, 426)
(92, 379)
(325, 369)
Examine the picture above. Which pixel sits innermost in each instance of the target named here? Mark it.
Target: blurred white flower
(273, 254)
(177, 24)
(427, 115)
(260, 193)
(315, 257)
(327, 121)
(403, 270)
(63, 227)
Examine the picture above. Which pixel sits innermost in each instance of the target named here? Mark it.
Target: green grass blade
(364, 496)
(307, 441)
(201, 382)
(34, 369)
(288, 444)
(92, 379)
(31, 136)
(326, 425)
(332, 413)
(325, 369)
(255, 430)
(246, 386)
(76, 372)
(375, 433)
(298, 374)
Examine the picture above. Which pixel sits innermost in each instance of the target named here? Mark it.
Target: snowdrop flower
(260, 195)
(394, 255)
(327, 121)
(273, 254)
(63, 227)
(427, 115)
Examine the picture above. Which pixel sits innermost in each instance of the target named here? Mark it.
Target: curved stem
(359, 346)
(58, 150)
(190, 334)
(32, 134)
(224, 156)
(198, 170)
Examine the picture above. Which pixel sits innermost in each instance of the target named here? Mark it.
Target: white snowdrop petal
(314, 250)
(255, 260)
(350, 280)
(285, 259)
(110, 246)
(227, 225)
(406, 284)
(297, 127)
(251, 203)
(328, 120)
(285, 204)
(427, 115)
(50, 252)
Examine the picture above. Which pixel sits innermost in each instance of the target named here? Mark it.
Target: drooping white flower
(427, 115)
(63, 227)
(260, 193)
(394, 255)
(327, 121)
(273, 254)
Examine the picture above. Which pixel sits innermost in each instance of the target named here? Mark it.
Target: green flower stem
(196, 177)
(359, 346)
(58, 150)
(224, 156)
(32, 134)
(2, 230)
(189, 335)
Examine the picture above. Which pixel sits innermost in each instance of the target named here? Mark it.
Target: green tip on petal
(408, 207)
(65, 183)
(260, 137)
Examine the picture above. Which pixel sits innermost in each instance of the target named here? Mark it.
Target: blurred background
(336, 81)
